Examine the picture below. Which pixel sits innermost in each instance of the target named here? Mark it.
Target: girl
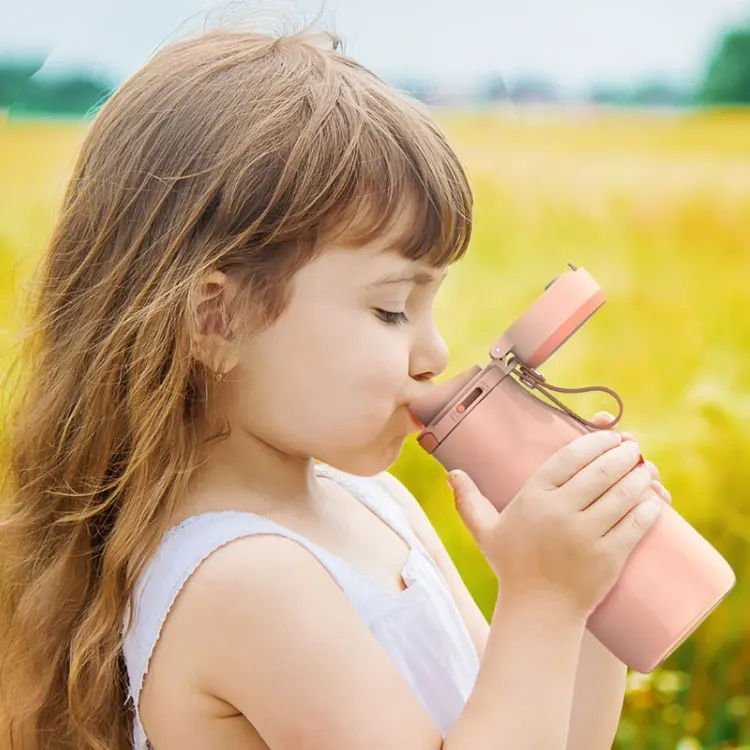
(202, 545)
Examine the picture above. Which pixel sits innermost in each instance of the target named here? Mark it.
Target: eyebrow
(418, 277)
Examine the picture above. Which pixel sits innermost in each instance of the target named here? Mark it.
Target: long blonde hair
(232, 150)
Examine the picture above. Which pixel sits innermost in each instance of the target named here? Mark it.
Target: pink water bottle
(490, 423)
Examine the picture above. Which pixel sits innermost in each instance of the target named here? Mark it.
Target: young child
(202, 545)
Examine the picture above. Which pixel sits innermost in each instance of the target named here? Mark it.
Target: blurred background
(614, 135)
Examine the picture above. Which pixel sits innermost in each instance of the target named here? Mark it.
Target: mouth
(417, 425)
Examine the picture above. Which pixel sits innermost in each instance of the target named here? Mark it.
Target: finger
(475, 510)
(625, 535)
(618, 501)
(662, 491)
(569, 460)
(631, 437)
(651, 466)
(603, 473)
(603, 418)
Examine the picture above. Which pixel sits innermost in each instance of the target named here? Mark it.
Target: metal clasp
(528, 375)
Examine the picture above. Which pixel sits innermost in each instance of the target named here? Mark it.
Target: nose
(430, 356)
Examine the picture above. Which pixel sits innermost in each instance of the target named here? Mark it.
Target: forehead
(410, 273)
(376, 266)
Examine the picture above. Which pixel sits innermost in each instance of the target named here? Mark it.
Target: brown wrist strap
(534, 380)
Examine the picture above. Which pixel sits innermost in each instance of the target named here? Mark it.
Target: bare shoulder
(273, 635)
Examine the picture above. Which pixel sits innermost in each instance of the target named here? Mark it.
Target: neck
(244, 472)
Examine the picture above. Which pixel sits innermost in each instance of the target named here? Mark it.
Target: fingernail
(610, 437)
(633, 448)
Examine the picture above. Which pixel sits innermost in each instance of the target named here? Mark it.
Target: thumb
(602, 418)
(475, 510)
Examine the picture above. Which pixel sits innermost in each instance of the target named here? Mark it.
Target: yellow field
(658, 209)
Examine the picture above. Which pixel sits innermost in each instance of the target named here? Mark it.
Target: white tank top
(420, 627)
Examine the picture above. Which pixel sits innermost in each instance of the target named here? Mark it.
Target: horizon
(573, 44)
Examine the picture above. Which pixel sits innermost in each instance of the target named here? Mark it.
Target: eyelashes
(392, 318)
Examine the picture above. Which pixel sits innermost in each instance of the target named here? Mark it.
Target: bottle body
(673, 579)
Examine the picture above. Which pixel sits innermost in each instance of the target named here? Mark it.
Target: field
(657, 208)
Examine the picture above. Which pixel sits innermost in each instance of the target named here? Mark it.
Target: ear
(212, 332)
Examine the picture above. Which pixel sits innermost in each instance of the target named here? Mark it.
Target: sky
(575, 43)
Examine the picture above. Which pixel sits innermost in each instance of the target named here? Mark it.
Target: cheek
(332, 384)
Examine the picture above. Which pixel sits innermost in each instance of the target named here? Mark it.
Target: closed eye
(390, 317)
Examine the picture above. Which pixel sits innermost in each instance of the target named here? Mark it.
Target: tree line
(725, 82)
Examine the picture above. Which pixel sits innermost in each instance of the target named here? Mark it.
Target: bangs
(399, 178)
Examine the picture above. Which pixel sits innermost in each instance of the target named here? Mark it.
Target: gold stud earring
(219, 376)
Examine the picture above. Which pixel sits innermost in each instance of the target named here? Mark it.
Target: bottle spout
(425, 409)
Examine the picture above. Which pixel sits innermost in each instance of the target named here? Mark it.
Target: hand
(569, 531)
(602, 418)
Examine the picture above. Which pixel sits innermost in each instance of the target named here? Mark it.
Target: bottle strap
(534, 380)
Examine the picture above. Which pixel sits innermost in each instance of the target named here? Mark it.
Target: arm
(599, 694)
(289, 652)
(600, 677)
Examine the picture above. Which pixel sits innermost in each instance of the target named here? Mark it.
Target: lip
(417, 424)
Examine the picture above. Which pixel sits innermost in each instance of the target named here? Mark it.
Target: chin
(368, 463)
